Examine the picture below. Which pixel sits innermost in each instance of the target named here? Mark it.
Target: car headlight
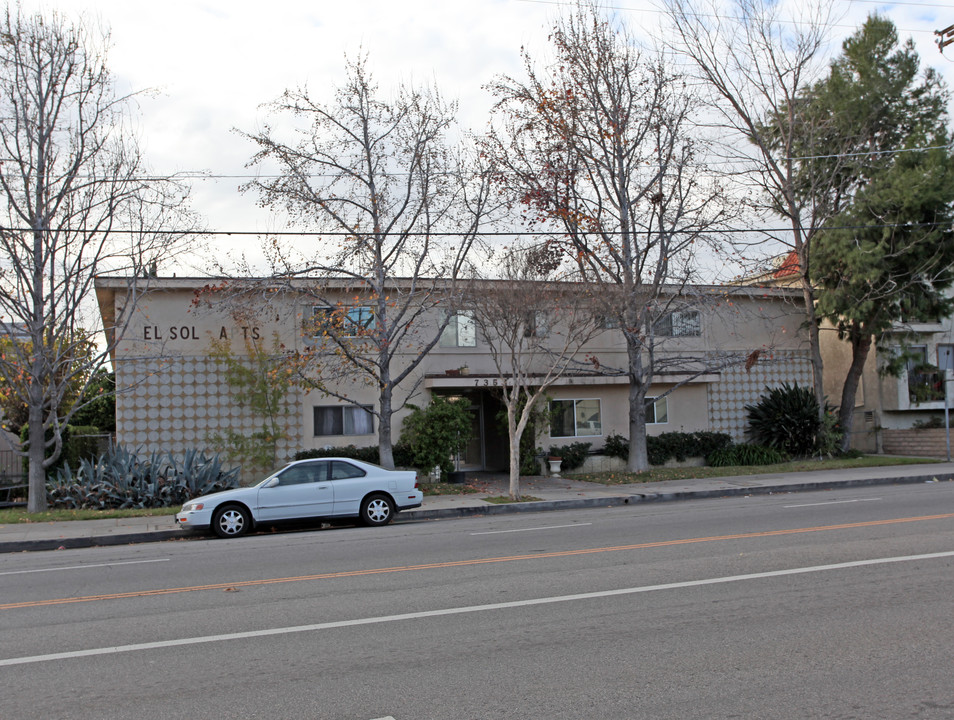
(189, 507)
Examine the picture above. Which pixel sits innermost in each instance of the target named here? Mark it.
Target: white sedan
(325, 488)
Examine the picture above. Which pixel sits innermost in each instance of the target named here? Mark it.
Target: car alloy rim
(231, 522)
(378, 510)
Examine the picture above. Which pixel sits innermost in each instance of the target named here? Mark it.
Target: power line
(459, 233)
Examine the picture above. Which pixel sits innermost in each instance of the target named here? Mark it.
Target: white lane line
(84, 567)
(460, 610)
(549, 527)
(834, 502)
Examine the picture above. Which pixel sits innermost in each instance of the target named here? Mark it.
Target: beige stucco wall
(173, 394)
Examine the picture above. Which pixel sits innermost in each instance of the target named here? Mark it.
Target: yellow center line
(464, 563)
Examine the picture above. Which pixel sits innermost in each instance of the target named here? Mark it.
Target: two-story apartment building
(173, 392)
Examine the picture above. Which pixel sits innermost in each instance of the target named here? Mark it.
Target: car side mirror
(271, 483)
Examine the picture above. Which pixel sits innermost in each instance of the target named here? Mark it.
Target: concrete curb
(492, 509)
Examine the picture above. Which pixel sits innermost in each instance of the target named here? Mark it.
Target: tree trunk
(36, 501)
(638, 454)
(385, 446)
(860, 346)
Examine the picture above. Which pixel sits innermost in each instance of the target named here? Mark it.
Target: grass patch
(505, 499)
(14, 516)
(658, 474)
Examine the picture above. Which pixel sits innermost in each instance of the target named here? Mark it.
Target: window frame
(343, 409)
(350, 327)
(679, 324)
(652, 403)
(576, 428)
(453, 338)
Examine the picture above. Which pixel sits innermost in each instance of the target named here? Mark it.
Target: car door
(301, 491)
(350, 484)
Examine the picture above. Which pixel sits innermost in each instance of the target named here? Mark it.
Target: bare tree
(401, 210)
(77, 201)
(534, 330)
(759, 64)
(599, 145)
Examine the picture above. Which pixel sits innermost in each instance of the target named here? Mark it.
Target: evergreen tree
(887, 255)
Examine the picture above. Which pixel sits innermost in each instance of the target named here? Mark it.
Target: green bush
(435, 434)
(365, 454)
(745, 454)
(671, 445)
(786, 419)
(573, 454)
(120, 478)
(616, 446)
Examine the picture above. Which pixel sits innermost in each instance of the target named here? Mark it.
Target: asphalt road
(821, 605)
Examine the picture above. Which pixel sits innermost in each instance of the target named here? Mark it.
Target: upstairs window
(353, 321)
(461, 331)
(679, 323)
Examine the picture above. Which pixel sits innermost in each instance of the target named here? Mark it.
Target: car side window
(300, 474)
(343, 470)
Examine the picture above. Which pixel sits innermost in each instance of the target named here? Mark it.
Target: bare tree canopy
(77, 201)
(757, 62)
(598, 146)
(383, 178)
(534, 330)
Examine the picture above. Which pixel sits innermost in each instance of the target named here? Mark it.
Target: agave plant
(786, 419)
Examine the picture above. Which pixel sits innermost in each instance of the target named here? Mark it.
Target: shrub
(786, 419)
(120, 478)
(365, 454)
(671, 445)
(433, 435)
(745, 454)
(573, 454)
(616, 446)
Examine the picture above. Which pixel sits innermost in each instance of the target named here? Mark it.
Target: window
(343, 420)
(344, 470)
(679, 323)
(607, 322)
(301, 474)
(657, 411)
(348, 322)
(535, 324)
(945, 358)
(575, 418)
(460, 331)
(924, 380)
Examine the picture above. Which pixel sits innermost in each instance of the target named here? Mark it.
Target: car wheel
(377, 510)
(231, 521)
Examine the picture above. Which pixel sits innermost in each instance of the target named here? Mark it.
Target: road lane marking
(549, 527)
(116, 649)
(834, 502)
(83, 567)
(465, 563)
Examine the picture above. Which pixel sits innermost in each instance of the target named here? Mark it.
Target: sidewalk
(554, 494)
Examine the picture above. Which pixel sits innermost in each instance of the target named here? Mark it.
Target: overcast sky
(213, 62)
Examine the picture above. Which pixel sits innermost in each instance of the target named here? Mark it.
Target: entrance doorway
(487, 448)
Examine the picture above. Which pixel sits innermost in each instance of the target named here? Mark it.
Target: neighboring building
(172, 394)
(886, 406)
